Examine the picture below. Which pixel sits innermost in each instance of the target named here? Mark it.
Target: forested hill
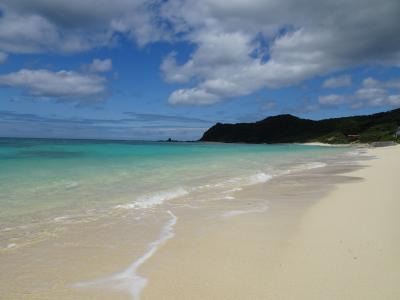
(291, 129)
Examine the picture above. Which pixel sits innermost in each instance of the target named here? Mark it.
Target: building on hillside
(353, 137)
(397, 134)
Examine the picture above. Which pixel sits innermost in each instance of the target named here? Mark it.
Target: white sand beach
(344, 246)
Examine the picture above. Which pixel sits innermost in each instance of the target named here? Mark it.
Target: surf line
(128, 279)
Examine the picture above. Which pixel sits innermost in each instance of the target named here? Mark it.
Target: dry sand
(343, 246)
(348, 244)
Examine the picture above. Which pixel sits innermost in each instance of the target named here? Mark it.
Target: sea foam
(129, 279)
(258, 178)
(234, 213)
(149, 201)
(315, 165)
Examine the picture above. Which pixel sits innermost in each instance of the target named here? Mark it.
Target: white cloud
(192, 96)
(63, 85)
(33, 33)
(39, 26)
(26, 34)
(336, 82)
(331, 100)
(224, 64)
(100, 66)
(239, 46)
(244, 47)
(3, 57)
(372, 92)
(174, 73)
(390, 84)
(375, 97)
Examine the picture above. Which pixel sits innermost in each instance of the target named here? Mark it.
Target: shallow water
(55, 179)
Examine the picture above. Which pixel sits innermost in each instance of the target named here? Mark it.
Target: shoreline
(232, 247)
(334, 247)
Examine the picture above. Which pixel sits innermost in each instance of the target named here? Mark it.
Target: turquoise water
(45, 178)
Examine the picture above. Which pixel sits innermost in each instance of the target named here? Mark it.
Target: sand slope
(345, 246)
(348, 245)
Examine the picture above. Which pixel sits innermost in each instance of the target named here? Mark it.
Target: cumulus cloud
(62, 85)
(243, 47)
(35, 34)
(389, 84)
(377, 93)
(25, 34)
(39, 26)
(239, 46)
(99, 66)
(372, 92)
(375, 97)
(331, 100)
(336, 82)
(192, 96)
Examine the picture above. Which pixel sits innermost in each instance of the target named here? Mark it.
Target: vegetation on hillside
(291, 129)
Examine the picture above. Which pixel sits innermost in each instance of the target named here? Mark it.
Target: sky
(158, 69)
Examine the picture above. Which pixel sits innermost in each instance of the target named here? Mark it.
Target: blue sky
(136, 69)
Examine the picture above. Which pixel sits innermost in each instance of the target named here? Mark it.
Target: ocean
(44, 179)
(122, 199)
